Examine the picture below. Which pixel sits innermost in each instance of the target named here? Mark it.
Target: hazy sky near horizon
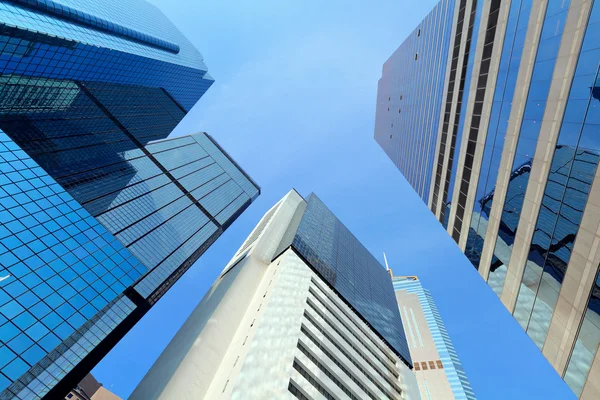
(294, 104)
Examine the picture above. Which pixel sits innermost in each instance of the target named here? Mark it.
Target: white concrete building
(271, 327)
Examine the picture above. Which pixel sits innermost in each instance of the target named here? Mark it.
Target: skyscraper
(514, 176)
(302, 310)
(99, 213)
(438, 369)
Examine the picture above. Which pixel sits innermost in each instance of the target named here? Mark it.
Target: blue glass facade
(100, 213)
(510, 60)
(410, 95)
(573, 168)
(169, 223)
(455, 373)
(61, 270)
(554, 23)
(37, 43)
(461, 109)
(535, 294)
(347, 266)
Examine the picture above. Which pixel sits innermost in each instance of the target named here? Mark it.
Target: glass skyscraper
(516, 156)
(410, 94)
(346, 264)
(99, 213)
(302, 310)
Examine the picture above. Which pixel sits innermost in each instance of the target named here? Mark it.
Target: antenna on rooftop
(387, 267)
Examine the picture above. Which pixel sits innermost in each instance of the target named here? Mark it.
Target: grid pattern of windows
(94, 55)
(410, 97)
(70, 14)
(163, 201)
(86, 88)
(345, 264)
(488, 46)
(60, 268)
(449, 358)
(175, 225)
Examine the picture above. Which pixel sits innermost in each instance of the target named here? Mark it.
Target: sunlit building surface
(100, 213)
(514, 176)
(439, 373)
(281, 321)
(90, 389)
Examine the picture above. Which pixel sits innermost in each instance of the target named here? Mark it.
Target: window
(424, 366)
(418, 32)
(312, 381)
(439, 364)
(390, 136)
(398, 111)
(328, 373)
(296, 392)
(431, 365)
(416, 56)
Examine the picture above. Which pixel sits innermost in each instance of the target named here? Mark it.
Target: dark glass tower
(99, 213)
(334, 253)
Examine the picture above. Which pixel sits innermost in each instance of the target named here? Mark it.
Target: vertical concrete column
(591, 389)
(485, 114)
(568, 54)
(577, 285)
(441, 120)
(454, 100)
(532, 39)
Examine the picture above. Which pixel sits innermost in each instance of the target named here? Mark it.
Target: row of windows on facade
(432, 365)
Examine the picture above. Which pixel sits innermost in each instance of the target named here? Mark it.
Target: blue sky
(294, 104)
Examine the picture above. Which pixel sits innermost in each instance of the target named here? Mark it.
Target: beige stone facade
(525, 198)
(436, 364)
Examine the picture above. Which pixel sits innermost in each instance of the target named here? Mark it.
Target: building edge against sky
(90, 389)
(99, 213)
(439, 373)
(276, 322)
(514, 176)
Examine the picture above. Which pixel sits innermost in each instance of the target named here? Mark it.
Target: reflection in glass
(571, 175)
(455, 131)
(505, 87)
(552, 30)
(342, 261)
(586, 345)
